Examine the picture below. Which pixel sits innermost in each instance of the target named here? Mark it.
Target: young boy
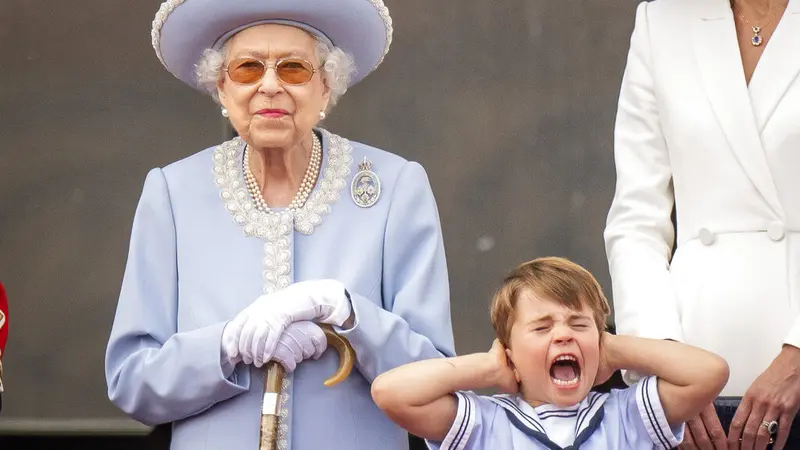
(551, 349)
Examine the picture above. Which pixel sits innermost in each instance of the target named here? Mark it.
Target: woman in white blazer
(709, 121)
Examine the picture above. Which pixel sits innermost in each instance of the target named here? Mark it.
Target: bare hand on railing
(774, 396)
(704, 432)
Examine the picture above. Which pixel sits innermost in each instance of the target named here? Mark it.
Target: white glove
(252, 335)
(300, 341)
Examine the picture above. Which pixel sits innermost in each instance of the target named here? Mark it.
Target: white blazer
(689, 130)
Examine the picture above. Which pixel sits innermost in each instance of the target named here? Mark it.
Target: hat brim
(182, 29)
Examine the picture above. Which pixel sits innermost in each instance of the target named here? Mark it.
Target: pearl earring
(322, 115)
(224, 112)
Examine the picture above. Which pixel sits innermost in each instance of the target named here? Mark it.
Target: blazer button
(706, 236)
(775, 231)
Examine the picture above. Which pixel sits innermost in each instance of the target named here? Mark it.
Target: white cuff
(459, 433)
(341, 312)
(653, 416)
(793, 337)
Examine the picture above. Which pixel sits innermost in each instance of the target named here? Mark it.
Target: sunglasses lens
(246, 70)
(294, 71)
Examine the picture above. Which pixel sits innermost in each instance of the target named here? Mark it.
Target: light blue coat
(199, 253)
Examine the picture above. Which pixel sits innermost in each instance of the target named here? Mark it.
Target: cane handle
(347, 356)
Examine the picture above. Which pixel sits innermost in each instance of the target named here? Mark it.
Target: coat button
(706, 236)
(775, 231)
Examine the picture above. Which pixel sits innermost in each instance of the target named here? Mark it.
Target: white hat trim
(168, 6)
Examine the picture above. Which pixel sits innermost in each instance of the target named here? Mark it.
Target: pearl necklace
(306, 186)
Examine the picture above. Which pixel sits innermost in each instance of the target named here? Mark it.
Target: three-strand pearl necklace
(306, 186)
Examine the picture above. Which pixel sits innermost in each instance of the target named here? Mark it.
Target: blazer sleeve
(154, 373)
(414, 321)
(639, 233)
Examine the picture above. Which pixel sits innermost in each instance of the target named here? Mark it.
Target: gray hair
(335, 66)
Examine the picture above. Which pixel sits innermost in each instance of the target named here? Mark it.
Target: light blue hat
(182, 29)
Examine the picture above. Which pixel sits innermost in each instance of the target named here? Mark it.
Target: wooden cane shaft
(269, 433)
(271, 406)
(274, 379)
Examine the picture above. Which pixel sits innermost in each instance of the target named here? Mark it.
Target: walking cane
(272, 386)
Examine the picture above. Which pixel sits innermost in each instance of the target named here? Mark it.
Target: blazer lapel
(778, 68)
(720, 64)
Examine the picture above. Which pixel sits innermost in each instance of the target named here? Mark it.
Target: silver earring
(224, 112)
(322, 115)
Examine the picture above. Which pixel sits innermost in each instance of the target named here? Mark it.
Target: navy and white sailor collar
(588, 413)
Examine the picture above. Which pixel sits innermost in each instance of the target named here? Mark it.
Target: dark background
(508, 105)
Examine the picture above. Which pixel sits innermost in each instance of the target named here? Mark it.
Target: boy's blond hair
(556, 279)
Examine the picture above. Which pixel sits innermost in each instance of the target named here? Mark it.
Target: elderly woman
(709, 122)
(239, 251)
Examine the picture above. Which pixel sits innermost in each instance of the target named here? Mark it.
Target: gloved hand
(300, 341)
(252, 335)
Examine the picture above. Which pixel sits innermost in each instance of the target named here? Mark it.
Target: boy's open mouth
(565, 370)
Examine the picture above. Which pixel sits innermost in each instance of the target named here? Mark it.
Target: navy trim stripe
(534, 423)
(662, 434)
(558, 414)
(539, 436)
(546, 411)
(585, 413)
(462, 428)
(651, 415)
(584, 435)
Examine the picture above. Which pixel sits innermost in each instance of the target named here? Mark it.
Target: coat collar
(778, 68)
(718, 57)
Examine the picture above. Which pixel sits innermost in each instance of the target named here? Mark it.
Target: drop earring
(224, 112)
(322, 115)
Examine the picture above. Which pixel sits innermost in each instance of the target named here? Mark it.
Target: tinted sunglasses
(292, 71)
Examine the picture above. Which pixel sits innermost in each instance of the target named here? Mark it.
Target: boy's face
(555, 351)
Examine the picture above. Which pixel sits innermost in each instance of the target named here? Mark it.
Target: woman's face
(270, 113)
